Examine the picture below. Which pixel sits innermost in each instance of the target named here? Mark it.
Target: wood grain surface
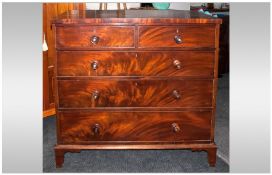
(128, 126)
(134, 93)
(195, 36)
(153, 84)
(192, 64)
(109, 36)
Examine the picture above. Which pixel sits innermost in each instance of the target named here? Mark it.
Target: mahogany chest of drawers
(136, 80)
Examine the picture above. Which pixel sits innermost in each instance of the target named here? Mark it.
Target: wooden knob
(95, 95)
(177, 64)
(177, 39)
(96, 129)
(175, 127)
(94, 65)
(95, 40)
(176, 94)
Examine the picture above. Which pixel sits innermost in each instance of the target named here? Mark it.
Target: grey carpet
(222, 118)
(146, 160)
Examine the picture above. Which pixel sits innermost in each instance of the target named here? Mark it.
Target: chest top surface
(134, 16)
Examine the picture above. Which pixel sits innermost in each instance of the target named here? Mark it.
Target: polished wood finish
(52, 11)
(211, 156)
(109, 37)
(211, 152)
(139, 146)
(136, 80)
(134, 93)
(59, 155)
(136, 63)
(164, 36)
(60, 150)
(134, 127)
(46, 99)
(224, 46)
(50, 112)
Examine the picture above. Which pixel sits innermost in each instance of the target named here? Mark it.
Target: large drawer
(134, 93)
(86, 127)
(91, 63)
(192, 36)
(95, 37)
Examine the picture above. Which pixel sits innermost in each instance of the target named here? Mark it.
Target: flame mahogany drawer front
(136, 79)
(182, 63)
(134, 127)
(134, 93)
(93, 37)
(177, 36)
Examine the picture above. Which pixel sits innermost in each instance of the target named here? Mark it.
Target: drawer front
(134, 93)
(80, 127)
(177, 36)
(88, 37)
(183, 63)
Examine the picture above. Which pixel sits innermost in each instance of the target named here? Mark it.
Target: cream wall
(180, 6)
(197, 4)
(112, 6)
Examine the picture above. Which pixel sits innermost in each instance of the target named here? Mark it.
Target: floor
(147, 160)
(222, 118)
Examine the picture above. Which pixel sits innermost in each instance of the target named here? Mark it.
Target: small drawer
(179, 63)
(177, 36)
(95, 37)
(87, 127)
(112, 92)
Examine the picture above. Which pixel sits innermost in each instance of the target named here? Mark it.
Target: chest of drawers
(136, 80)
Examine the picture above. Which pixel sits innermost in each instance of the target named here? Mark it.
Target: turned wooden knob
(176, 94)
(178, 39)
(95, 40)
(177, 64)
(175, 127)
(94, 65)
(95, 95)
(96, 129)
